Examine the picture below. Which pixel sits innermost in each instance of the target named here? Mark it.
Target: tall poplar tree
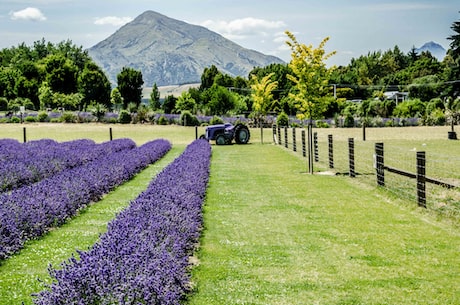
(310, 76)
(262, 95)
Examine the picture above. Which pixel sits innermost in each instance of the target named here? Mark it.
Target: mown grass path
(275, 235)
(18, 274)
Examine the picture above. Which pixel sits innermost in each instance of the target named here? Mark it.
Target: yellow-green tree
(262, 95)
(310, 76)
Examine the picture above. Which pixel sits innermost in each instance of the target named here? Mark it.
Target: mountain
(171, 52)
(434, 48)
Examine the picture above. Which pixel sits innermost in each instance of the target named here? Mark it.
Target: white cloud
(113, 20)
(245, 27)
(30, 13)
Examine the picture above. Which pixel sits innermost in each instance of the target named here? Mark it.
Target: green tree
(185, 102)
(208, 76)
(45, 95)
(116, 99)
(61, 74)
(130, 84)
(310, 77)
(452, 72)
(94, 86)
(169, 104)
(262, 96)
(154, 101)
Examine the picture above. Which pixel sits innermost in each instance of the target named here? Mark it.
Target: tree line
(63, 76)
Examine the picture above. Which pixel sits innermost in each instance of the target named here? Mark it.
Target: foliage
(410, 109)
(98, 110)
(129, 83)
(154, 101)
(282, 119)
(310, 76)
(43, 116)
(68, 117)
(124, 117)
(185, 102)
(216, 120)
(116, 99)
(188, 119)
(169, 104)
(262, 95)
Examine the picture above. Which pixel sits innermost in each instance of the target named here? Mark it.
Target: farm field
(272, 233)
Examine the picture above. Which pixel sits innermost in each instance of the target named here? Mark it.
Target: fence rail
(364, 159)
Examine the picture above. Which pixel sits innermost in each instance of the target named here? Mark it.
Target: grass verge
(275, 235)
(19, 274)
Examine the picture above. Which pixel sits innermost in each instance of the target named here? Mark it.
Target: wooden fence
(378, 156)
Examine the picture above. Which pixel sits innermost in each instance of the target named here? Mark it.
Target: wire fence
(421, 174)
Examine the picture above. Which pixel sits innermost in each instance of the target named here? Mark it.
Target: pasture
(272, 233)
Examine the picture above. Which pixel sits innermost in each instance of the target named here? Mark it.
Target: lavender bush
(23, 164)
(30, 211)
(144, 256)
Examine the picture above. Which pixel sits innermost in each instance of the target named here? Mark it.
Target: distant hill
(173, 52)
(434, 48)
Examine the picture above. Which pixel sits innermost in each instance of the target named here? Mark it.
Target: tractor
(225, 133)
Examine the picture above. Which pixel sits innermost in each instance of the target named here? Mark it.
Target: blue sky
(355, 27)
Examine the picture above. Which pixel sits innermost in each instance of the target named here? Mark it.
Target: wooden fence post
(286, 137)
(24, 134)
(279, 135)
(304, 146)
(294, 144)
(310, 147)
(351, 156)
(110, 133)
(331, 151)
(421, 179)
(196, 132)
(274, 134)
(379, 164)
(315, 143)
(364, 131)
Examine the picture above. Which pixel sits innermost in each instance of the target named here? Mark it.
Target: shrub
(349, 121)
(15, 119)
(188, 119)
(3, 104)
(162, 120)
(43, 116)
(124, 117)
(30, 119)
(322, 124)
(216, 120)
(282, 119)
(68, 117)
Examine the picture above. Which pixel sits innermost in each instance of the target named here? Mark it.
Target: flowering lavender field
(25, 163)
(29, 211)
(144, 256)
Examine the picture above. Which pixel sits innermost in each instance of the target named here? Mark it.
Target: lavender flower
(143, 257)
(30, 211)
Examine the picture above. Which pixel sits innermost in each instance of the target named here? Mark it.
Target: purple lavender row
(23, 164)
(30, 211)
(143, 258)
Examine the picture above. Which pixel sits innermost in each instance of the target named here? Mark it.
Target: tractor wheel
(220, 140)
(242, 134)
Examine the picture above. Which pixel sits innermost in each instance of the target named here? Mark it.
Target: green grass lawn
(272, 233)
(275, 235)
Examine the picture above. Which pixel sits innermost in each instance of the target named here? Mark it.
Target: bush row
(143, 258)
(28, 212)
(25, 163)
